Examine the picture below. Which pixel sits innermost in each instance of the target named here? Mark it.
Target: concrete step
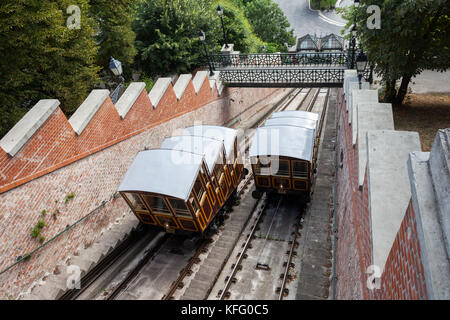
(213, 262)
(45, 292)
(100, 250)
(85, 264)
(199, 284)
(193, 294)
(59, 284)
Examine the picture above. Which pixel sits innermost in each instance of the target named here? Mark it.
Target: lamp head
(361, 62)
(115, 66)
(220, 10)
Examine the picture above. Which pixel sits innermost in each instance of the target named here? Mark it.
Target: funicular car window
(198, 188)
(300, 169)
(157, 204)
(263, 166)
(135, 201)
(282, 167)
(179, 206)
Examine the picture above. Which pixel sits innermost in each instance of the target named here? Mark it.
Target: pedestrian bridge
(299, 69)
(312, 62)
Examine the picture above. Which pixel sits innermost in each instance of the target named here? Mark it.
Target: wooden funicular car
(181, 186)
(283, 155)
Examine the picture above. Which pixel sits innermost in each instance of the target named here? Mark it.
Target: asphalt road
(304, 20)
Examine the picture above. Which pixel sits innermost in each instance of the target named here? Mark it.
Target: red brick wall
(403, 276)
(55, 144)
(55, 162)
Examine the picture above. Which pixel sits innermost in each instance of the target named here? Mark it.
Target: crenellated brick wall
(353, 225)
(55, 161)
(387, 247)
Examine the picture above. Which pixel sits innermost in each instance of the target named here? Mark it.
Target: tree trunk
(403, 89)
(390, 93)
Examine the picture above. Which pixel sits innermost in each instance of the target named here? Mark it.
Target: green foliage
(414, 36)
(167, 34)
(42, 58)
(149, 83)
(239, 30)
(69, 197)
(41, 239)
(115, 36)
(40, 224)
(322, 4)
(43, 213)
(36, 231)
(269, 22)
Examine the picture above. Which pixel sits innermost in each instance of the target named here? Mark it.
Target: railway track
(302, 99)
(246, 259)
(223, 293)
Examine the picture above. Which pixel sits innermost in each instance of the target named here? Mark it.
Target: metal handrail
(258, 60)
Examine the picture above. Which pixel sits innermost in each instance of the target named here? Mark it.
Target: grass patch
(322, 4)
(424, 113)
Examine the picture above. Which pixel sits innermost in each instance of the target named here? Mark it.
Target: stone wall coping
(435, 259)
(352, 106)
(350, 75)
(215, 80)
(181, 84)
(129, 97)
(440, 174)
(371, 116)
(158, 90)
(16, 138)
(388, 185)
(359, 96)
(87, 110)
(198, 80)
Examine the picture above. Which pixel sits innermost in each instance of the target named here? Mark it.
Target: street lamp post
(361, 64)
(353, 43)
(202, 38)
(220, 12)
(116, 68)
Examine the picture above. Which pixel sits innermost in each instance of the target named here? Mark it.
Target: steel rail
(132, 274)
(261, 207)
(286, 271)
(100, 268)
(186, 270)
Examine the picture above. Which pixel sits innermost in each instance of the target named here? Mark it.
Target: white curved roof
(163, 171)
(208, 147)
(227, 135)
(296, 113)
(285, 141)
(292, 121)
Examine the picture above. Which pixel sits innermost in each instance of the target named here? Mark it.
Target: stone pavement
(315, 269)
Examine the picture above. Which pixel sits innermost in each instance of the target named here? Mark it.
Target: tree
(167, 33)
(239, 30)
(115, 35)
(269, 22)
(414, 36)
(43, 58)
